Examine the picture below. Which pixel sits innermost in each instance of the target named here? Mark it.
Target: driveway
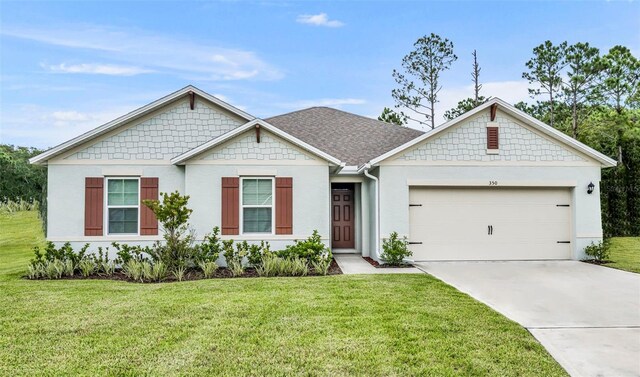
(586, 316)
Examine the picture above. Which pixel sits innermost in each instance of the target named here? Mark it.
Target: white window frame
(107, 206)
(272, 205)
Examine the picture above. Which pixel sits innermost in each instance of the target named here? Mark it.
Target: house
(492, 184)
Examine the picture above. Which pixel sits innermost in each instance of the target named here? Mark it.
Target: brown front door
(342, 218)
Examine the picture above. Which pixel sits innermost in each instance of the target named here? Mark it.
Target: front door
(342, 212)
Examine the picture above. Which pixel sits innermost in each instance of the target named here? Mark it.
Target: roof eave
(100, 130)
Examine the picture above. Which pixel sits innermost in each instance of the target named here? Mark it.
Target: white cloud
(329, 102)
(134, 48)
(100, 69)
(320, 19)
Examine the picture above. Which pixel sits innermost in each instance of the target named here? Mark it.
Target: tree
(475, 75)
(420, 81)
(392, 117)
(464, 106)
(622, 77)
(584, 69)
(544, 69)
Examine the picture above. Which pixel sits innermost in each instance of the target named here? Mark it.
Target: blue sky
(67, 67)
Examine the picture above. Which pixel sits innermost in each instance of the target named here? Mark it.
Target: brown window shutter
(148, 221)
(284, 205)
(492, 138)
(93, 206)
(230, 205)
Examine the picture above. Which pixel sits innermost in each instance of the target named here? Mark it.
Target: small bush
(133, 270)
(158, 271)
(146, 271)
(208, 268)
(54, 269)
(107, 267)
(210, 249)
(598, 251)
(236, 268)
(311, 249)
(179, 272)
(64, 253)
(299, 267)
(322, 266)
(87, 267)
(256, 253)
(126, 253)
(395, 250)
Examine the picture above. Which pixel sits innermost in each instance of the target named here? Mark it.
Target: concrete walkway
(586, 316)
(353, 264)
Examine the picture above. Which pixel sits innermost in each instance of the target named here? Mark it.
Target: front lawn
(375, 325)
(625, 254)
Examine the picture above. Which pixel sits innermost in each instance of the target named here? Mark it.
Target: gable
(467, 143)
(244, 147)
(164, 134)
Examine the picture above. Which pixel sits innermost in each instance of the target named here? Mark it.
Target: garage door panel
(453, 224)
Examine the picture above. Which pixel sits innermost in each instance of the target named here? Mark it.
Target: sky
(68, 67)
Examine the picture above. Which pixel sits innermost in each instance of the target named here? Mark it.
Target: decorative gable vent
(493, 138)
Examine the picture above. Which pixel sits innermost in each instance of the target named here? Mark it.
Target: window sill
(493, 151)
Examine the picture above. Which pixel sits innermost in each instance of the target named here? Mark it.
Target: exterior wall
(394, 192)
(162, 135)
(244, 147)
(311, 199)
(467, 142)
(65, 199)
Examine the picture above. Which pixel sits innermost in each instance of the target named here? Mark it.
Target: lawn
(625, 254)
(377, 325)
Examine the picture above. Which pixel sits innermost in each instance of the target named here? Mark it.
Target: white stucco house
(492, 184)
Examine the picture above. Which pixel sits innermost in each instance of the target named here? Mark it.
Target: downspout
(377, 210)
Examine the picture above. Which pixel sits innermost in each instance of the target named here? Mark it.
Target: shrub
(127, 253)
(322, 266)
(598, 251)
(395, 250)
(87, 267)
(146, 271)
(256, 253)
(270, 266)
(179, 272)
(133, 269)
(158, 271)
(208, 268)
(54, 269)
(210, 249)
(64, 253)
(107, 267)
(299, 267)
(173, 214)
(311, 249)
(236, 268)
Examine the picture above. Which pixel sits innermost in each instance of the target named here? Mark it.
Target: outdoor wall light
(590, 188)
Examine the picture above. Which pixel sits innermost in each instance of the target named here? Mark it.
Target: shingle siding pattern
(351, 138)
(163, 136)
(468, 142)
(245, 147)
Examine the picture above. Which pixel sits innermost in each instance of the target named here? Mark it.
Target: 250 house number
(493, 183)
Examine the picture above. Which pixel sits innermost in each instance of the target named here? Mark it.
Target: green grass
(625, 254)
(376, 325)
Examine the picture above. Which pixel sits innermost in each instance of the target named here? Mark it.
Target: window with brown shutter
(284, 205)
(148, 221)
(492, 138)
(93, 206)
(230, 205)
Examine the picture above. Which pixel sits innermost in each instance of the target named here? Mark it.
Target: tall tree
(475, 75)
(622, 77)
(392, 117)
(464, 106)
(420, 81)
(545, 70)
(584, 68)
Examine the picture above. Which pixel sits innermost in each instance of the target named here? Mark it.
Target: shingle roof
(352, 138)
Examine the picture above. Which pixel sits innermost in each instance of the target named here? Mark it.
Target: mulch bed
(597, 262)
(221, 273)
(378, 265)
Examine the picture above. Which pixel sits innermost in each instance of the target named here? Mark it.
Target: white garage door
(489, 223)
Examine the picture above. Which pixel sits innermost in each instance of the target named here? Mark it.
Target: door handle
(490, 230)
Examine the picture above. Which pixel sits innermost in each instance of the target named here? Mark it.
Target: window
(123, 203)
(257, 205)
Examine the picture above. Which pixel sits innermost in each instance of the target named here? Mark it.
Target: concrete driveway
(586, 316)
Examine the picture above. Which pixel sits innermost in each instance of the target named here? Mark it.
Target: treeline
(21, 181)
(589, 95)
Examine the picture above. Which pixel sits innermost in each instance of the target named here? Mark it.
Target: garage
(488, 223)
